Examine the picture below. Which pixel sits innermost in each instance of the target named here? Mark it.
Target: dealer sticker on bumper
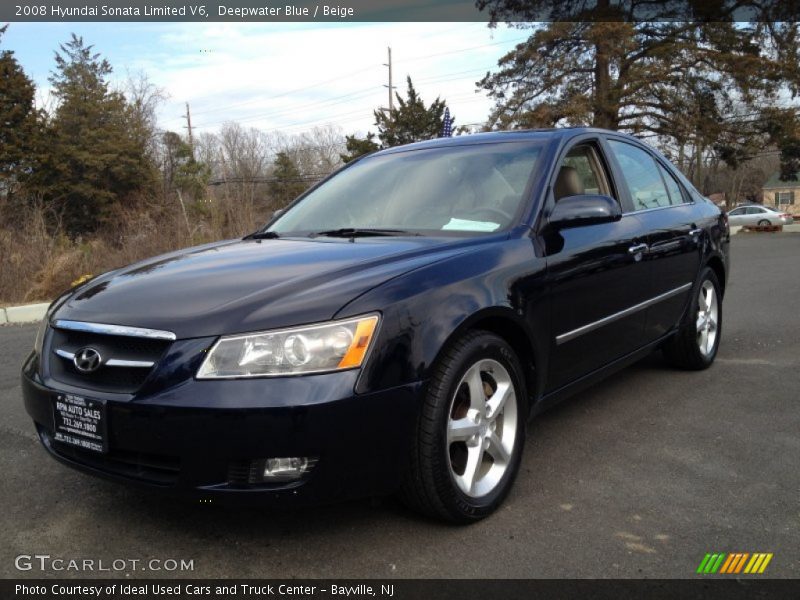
(80, 422)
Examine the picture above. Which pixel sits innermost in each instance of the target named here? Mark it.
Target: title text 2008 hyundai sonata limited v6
(393, 330)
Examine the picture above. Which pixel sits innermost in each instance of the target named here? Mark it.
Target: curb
(28, 313)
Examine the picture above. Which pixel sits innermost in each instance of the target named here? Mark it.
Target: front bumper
(198, 437)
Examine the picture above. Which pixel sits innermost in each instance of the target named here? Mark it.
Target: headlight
(332, 346)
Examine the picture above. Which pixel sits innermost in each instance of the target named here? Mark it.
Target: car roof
(516, 135)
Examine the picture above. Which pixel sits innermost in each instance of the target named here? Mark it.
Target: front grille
(153, 468)
(120, 379)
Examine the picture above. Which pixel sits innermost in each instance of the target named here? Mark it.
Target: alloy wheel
(707, 318)
(482, 428)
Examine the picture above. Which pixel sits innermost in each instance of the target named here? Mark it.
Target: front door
(596, 275)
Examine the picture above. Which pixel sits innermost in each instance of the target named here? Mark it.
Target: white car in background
(756, 215)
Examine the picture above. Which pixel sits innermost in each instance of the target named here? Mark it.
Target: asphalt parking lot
(638, 477)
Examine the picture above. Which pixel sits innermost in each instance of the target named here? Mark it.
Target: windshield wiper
(351, 232)
(262, 235)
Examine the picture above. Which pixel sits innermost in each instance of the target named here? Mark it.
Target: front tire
(470, 433)
(695, 345)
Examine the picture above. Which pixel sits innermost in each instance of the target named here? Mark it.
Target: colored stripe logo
(734, 563)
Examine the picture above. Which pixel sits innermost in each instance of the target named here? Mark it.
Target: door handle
(638, 248)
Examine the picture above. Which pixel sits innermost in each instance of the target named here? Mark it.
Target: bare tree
(143, 99)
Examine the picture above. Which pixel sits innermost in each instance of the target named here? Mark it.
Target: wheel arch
(505, 323)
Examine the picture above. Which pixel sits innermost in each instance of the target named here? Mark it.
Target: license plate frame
(80, 422)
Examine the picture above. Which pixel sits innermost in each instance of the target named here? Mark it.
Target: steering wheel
(492, 212)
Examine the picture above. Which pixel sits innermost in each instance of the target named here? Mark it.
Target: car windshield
(473, 188)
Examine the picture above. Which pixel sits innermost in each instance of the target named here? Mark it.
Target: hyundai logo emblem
(87, 360)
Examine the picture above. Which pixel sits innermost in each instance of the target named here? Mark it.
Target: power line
(282, 94)
(458, 51)
(311, 177)
(321, 104)
(345, 98)
(351, 74)
(336, 118)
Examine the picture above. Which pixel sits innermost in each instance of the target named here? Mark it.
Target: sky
(286, 77)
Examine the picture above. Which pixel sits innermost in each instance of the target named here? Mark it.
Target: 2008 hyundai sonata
(393, 329)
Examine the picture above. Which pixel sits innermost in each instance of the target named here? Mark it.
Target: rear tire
(764, 223)
(470, 433)
(695, 345)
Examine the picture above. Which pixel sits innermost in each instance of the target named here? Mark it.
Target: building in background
(783, 195)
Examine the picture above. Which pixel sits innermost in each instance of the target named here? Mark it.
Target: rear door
(752, 215)
(674, 233)
(759, 215)
(596, 273)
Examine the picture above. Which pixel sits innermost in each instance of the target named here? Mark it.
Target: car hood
(248, 285)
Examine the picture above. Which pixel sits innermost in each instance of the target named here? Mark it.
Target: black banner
(392, 10)
(402, 589)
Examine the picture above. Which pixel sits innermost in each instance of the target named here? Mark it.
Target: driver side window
(581, 172)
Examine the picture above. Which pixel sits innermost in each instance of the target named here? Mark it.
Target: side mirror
(278, 213)
(587, 209)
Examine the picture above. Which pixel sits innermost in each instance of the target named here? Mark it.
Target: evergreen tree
(410, 121)
(180, 169)
(357, 146)
(96, 158)
(19, 122)
(287, 182)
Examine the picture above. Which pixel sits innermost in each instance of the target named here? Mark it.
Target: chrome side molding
(571, 335)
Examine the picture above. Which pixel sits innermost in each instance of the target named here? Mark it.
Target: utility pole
(188, 126)
(390, 86)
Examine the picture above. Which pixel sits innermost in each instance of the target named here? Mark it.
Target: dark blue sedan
(393, 330)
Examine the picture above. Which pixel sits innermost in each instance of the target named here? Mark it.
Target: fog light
(287, 469)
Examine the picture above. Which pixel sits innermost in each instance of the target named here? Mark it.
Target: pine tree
(96, 158)
(19, 122)
(287, 182)
(357, 146)
(180, 170)
(410, 121)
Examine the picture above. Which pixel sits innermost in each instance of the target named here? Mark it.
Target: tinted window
(469, 188)
(675, 194)
(641, 175)
(737, 211)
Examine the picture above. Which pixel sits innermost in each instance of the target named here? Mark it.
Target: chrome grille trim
(111, 362)
(122, 330)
